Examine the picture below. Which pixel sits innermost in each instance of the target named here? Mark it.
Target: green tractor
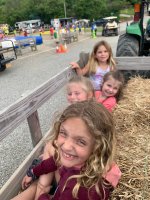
(135, 42)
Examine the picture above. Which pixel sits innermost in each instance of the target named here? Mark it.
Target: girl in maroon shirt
(83, 139)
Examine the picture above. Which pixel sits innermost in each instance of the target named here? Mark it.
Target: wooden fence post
(35, 129)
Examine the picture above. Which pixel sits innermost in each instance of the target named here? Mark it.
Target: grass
(129, 11)
(125, 19)
(99, 29)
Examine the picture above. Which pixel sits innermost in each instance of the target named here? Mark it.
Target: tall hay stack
(132, 119)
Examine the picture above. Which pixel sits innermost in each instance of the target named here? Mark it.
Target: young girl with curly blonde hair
(83, 139)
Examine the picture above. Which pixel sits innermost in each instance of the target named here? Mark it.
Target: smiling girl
(83, 140)
(100, 62)
(111, 89)
(79, 88)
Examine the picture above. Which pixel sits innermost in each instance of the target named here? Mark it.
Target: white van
(28, 24)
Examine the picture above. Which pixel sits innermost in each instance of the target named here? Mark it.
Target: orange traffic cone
(58, 49)
(65, 46)
(62, 48)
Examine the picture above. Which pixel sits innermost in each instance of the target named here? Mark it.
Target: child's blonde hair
(87, 85)
(100, 124)
(117, 75)
(93, 63)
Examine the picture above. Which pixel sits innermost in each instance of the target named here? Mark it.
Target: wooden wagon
(27, 108)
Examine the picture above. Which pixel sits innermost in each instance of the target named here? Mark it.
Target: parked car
(83, 22)
(100, 22)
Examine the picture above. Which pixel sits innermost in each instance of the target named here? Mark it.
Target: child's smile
(110, 87)
(75, 143)
(67, 156)
(102, 54)
(76, 92)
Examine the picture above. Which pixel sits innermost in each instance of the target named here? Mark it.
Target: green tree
(19, 10)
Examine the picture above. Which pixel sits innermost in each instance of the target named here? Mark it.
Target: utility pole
(65, 8)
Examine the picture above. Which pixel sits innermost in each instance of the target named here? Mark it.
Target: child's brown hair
(117, 75)
(92, 63)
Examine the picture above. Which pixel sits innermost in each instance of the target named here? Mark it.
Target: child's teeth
(68, 156)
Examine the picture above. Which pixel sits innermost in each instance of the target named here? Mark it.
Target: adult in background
(51, 32)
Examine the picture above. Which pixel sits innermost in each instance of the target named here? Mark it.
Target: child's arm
(26, 182)
(78, 69)
(45, 180)
(45, 167)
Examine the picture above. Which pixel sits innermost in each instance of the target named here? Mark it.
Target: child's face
(75, 93)
(75, 143)
(102, 54)
(110, 87)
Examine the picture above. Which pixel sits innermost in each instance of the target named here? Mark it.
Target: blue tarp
(39, 39)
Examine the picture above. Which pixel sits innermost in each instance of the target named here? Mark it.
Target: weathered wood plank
(35, 129)
(133, 63)
(13, 185)
(13, 115)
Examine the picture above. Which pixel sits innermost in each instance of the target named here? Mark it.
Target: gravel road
(28, 72)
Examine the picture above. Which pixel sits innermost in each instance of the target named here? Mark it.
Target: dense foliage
(19, 10)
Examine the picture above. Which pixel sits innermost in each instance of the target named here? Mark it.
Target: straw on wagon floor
(132, 119)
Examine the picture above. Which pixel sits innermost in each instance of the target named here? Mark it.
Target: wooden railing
(27, 107)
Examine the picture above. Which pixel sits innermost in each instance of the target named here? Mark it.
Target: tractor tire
(127, 46)
(116, 32)
(2, 68)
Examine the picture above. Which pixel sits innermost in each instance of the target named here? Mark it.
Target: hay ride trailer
(26, 108)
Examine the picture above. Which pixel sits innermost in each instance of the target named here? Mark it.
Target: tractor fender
(134, 29)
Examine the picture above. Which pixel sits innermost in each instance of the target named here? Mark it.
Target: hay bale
(132, 119)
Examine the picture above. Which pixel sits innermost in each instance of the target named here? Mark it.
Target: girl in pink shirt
(111, 89)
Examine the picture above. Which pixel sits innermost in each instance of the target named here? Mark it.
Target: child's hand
(26, 182)
(74, 65)
(77, 68)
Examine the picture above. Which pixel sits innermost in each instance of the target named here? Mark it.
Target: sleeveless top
(97, 78)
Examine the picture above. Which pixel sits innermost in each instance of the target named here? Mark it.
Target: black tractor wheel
(2, 67)
(116, 32)
(127, 45)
